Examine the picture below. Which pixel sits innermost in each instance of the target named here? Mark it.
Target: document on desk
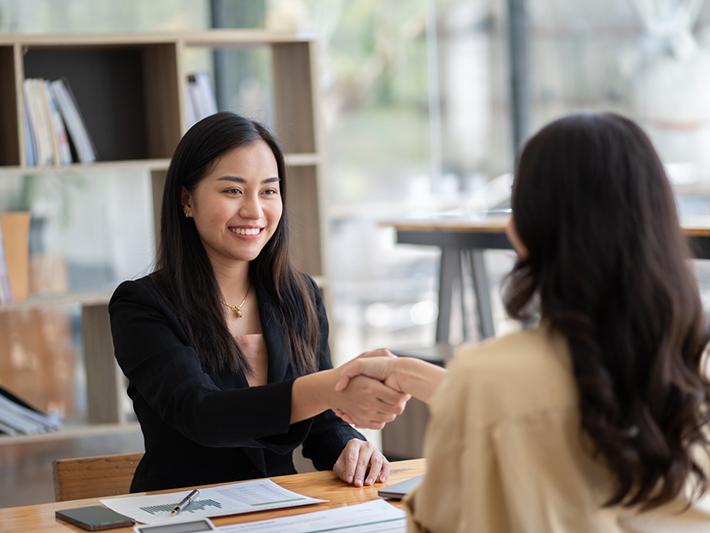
(236, 498)
(377, 515)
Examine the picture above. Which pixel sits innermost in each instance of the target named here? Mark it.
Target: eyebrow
(239, 179)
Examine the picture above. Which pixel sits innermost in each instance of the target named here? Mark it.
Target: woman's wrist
(312, 394)
(417, 377)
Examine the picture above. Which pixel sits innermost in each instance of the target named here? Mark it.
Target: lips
(246, 231)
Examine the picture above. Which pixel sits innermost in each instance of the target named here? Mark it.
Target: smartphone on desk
(94, 518)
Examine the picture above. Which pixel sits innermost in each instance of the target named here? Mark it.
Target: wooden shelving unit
(131, 91)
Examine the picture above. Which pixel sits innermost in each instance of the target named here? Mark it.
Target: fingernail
(370, 481)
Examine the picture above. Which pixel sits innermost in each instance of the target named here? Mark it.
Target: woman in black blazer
(225, 345)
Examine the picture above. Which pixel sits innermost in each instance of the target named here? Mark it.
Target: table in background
(323, 485)
(462, 243)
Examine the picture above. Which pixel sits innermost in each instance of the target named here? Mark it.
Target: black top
(203, 427)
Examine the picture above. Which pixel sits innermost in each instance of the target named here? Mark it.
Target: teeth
(245, 231)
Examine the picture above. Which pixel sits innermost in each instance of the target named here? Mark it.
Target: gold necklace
(238, 308)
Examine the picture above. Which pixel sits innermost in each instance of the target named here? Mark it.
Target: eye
(233, 191)
(271, 192)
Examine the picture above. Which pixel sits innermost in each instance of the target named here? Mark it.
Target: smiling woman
(225, 345)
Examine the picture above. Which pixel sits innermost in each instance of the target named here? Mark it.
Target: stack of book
(17, 417)
(201, 100)
(55, 132)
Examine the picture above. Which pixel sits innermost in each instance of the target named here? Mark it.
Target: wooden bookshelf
(131, 91)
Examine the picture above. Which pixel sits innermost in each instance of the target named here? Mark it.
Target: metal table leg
(482, 292)
(449, 269)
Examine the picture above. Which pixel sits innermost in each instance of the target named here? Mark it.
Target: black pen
(184, 502)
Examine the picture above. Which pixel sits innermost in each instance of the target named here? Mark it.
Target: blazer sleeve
(168, 375)
(329, 434)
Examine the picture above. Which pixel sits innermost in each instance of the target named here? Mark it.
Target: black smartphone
(94, 518)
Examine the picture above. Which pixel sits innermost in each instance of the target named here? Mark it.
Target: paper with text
(377, 515)
(237, 498)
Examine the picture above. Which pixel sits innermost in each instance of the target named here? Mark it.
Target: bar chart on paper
(237, 498)
(195, 506)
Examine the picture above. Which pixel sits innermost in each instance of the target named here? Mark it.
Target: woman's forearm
(417, 377)
(368, 402)
(312, 394)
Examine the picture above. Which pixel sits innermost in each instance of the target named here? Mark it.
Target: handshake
(374, 388)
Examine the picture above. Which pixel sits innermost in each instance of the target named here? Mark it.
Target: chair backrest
(94, 477)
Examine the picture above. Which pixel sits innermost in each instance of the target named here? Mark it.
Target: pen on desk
(185, 502)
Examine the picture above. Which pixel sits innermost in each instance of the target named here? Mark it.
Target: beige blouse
(254, 349)
(504, 452)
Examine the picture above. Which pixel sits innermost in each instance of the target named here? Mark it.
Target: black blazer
(201, 427)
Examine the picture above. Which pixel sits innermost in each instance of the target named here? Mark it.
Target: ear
(186, 202)
(185, 198)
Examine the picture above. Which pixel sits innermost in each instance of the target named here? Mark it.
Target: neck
(232, 278)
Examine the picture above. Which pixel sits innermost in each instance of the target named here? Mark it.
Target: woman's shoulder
(538, 349)
(516, 374)
(145, 290)
(311, 285)
(310, 282)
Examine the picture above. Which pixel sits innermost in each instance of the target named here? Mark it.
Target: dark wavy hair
(185, 269)
(607, 266)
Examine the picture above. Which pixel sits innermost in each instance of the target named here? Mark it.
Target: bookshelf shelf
(71, 433)
(67, 298)
(219, 37)
(132, 94)
(292, 160)
(135, 164)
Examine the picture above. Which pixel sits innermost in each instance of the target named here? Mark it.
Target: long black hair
(186, 271)
(609, 268)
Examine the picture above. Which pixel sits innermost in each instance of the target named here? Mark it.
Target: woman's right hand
(368, 403)
(406, 375)
(379, 365)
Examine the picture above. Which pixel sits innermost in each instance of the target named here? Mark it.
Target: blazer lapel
(279, 353)
(275, 337)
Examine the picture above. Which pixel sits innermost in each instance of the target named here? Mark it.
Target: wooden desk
(323, 485)
(462, 244)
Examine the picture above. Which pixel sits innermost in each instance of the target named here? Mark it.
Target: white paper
(377, 515)
(237, 498)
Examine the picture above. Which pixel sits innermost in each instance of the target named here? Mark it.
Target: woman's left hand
(360, 463)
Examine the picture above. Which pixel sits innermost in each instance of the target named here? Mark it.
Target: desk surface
(497, 225)
(489, 233)
(323, 485)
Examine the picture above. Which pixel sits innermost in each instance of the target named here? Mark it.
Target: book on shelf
(41, 122)
(18, 417)
(201, 98)
(190, 112)
(29, 136)
(60, 144)
(85, 151)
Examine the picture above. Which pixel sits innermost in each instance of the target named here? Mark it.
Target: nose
(251, 208)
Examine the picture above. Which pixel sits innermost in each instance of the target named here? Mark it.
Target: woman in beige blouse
(595, 420)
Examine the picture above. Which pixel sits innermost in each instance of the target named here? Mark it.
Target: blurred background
(422, 103)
